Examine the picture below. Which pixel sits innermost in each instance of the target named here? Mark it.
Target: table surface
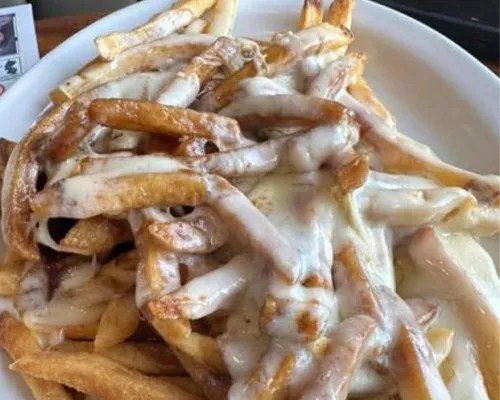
(52, 32)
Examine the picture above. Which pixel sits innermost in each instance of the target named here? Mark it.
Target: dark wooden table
(52, 32)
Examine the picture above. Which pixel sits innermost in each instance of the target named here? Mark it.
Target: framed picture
(8, 35)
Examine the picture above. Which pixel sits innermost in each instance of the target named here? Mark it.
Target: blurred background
(474, 24)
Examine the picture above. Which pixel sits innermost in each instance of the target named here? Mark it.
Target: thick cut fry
(81, 332)
(350, 277)
(345, 352)
(428, 253)
(352, 176)
(148, 358)
(415, 368)
(337, 76)
(362, 92)
(88, 196)
(161, 25)
(204, 295)
(98, 376)
(185, 88)
(311, 14)
(203, 349)
(340, 13)
(315, 40)
(118, 323)
(154, 56)
(77, 125)
(197, 26)
(151, 117)
(20, 181)
(223, 18)
(201, 232)
(213, 386)
(96, 235)
(284, 110)
(19, 342)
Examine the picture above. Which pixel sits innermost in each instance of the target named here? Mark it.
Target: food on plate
(199, 216)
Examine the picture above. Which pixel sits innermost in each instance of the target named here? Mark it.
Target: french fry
(77, 125)
(148, 358)
(319, 39)
(204, 295)
(197, 26)
(154, 56)
(223, 19)
(108, 195)
(184, 383)
(352, 176)
(19, 342)
(350, 277)
(161, 25)
(337, 76)
(424, 310)
(185, 88)
(362, 92)
(311, 14)
(20, 180)
(213, 386)
(345, 352)
(202, 233)
(151, 117)
(81, 332)
(98, 376)
(203, 349)
(253, 112)
(96, 235)
(415, 371)
(340, 13)
(427, 251)
(118, 323)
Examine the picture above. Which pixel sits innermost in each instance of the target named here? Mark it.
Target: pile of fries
(205, 217)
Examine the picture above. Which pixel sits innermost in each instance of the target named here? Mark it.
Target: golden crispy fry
(213, 386)
(203, 349)
(148, 358)
(340, 13)
(18, 341)
(352, 176)
(311, 14)
(116, 195)
(441, 341)
(223, 18)
(98, 376)
(184, 89)
(118, 323)
(345, 352)
(202, 233)
(284, 110)
(151, 117)
(20, 186)
(415, 369)
(11, 272)
(96, 235)
(362, 92)
(314, 40)
(350, 277)
(427, 252)
(161, 25)
(337, 76)
(151, 57)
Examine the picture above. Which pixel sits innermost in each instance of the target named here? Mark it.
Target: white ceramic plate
(438, 92)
